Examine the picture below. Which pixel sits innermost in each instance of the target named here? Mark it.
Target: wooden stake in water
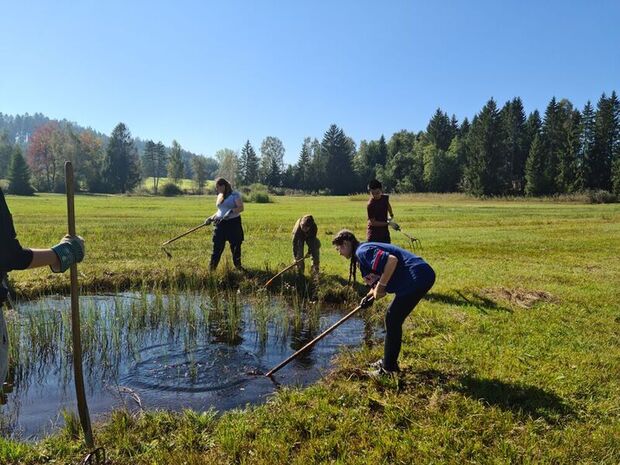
(75, 319)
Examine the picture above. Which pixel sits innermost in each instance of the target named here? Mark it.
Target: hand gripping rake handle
(287, 268)
(319, 337)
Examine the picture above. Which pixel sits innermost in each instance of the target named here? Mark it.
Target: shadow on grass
(523, 400)
(482, 303)
(520, 399)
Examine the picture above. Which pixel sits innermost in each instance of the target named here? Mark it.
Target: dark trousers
(314, 245)
(231, 231)
(399, 309)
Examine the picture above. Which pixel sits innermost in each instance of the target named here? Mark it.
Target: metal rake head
(168, 254)
(96, 457)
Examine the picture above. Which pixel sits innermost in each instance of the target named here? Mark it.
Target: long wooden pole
(315, 340)
(184, 234)
(287, 268)
(75, 318)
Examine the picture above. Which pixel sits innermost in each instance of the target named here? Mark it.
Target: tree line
(501, 151)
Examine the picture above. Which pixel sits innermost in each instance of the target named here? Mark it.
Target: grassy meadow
(513, 358)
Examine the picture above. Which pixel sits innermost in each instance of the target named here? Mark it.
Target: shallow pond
(152, 351)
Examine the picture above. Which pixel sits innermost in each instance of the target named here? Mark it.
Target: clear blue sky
(214, 73)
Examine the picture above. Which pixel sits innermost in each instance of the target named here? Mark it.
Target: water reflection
(156, 351)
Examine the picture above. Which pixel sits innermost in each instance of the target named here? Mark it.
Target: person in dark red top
(378, 209)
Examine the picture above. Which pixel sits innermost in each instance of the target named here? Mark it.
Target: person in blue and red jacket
(388, 269)
(14, 257)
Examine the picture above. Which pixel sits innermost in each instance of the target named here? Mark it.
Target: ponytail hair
(346, 235)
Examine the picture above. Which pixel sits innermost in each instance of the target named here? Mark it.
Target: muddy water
(198, 360)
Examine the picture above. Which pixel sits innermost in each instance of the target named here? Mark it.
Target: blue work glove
(69, 250)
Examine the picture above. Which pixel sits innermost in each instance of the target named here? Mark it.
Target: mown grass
(513, 358)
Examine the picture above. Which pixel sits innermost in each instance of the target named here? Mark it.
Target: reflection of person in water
(299, 338)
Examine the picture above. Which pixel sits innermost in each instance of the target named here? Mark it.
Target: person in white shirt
(227, 222)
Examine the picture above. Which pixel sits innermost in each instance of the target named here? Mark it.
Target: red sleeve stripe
(375, 264)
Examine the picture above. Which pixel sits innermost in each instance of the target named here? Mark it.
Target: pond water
(154, 351)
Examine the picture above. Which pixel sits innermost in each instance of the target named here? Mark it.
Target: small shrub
(260, 197)
(601, 196)
(170, 190)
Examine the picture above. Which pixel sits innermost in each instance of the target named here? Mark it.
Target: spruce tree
(19, 175)
(338, 153)
(248, 165)
(552, 142)
(120, 166)
(382, 152)
(486, 170)
(535, 181)
(440, 130)
(615, 144)
(607, 121)
(176, 167)
(464, 128)
(302, 169)
(569, 120)
(585, 158)
(513, 120)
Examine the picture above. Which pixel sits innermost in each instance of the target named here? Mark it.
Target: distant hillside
(20, 127)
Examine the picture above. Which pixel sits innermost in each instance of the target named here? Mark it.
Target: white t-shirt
(228, 204)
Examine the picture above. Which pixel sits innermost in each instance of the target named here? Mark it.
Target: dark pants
(399, 309)
(314, 245)
(378, 234)
(231, 231)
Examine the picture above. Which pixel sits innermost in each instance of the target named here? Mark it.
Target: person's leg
(314, 246)
(395, 316)
(298, 253)
(219, 242)
(399, 309)
(236, 238)
(235, 249)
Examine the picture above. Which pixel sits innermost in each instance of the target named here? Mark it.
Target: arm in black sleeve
(12, 255)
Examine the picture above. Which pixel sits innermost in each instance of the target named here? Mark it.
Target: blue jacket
(410, 273)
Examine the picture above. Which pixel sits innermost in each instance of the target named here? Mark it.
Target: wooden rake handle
(315, 340)
(75, 317)
(288, 268)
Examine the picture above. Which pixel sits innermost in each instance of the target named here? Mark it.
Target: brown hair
(226, 184)
(308, 220)
(346, 235)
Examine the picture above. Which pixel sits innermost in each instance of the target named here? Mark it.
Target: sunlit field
(514, 357)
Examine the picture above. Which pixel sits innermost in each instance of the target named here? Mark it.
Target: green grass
(488, 375)
(185, 184)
